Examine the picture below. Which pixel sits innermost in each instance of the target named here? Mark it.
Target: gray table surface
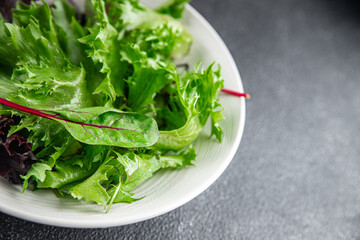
(296, 174)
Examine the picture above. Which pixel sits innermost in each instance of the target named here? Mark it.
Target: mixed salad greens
(92, 105)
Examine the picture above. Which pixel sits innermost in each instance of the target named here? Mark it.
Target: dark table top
(296, 174)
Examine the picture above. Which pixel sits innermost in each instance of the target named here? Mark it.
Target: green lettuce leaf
(91, 190)
(68, 31)
(6, 85)
(151, 30)
(74, 167)
(104, 49)
(145, 82)
(147, 77)
(197, 99)
(39, 171)
(119, 195)
(40, 14)
(44, 76)
(182, 159)
(174, 8)
(63, 174)
(109, 126)
(8, 56)
(137, 168)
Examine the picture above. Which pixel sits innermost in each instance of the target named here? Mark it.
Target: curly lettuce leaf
(44, 76)
(91, 190)
(63, 174)
(196, 98)
(8, 56)
(6, 85)
(174, 8)
(182, 159)
(38, 171)
(108, 179)
(146, 82)
(50, 87)
(24, 14)
(118, 195)
(74, 167)
(68, 30)
(151, 30)
(104, 49)
(137, 169)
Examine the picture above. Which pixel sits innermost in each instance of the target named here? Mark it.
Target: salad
(92, 105)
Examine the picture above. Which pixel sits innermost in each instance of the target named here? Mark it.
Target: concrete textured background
(296, 174)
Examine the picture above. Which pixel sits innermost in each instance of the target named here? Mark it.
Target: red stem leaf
(50, 116)
(238, 94)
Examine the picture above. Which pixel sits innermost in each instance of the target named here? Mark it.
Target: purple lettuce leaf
(16, 156)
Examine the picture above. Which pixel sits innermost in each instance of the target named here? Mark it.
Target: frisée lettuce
(100, 102)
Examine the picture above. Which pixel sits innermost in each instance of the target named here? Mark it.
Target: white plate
(168, 189)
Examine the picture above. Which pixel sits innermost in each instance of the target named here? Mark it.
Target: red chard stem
(231, 92)
(49, 116)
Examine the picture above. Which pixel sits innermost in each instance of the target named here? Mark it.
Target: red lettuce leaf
(16, 156)
(7, 5)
